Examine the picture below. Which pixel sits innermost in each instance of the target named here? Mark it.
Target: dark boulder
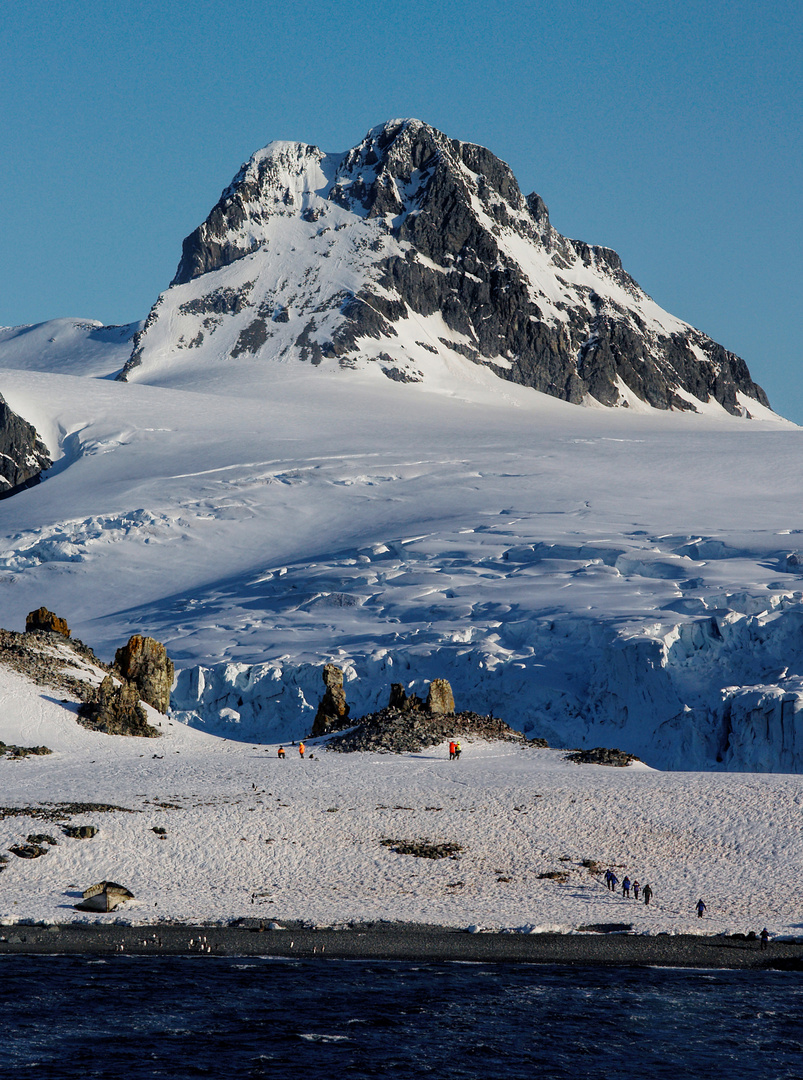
(80, 832)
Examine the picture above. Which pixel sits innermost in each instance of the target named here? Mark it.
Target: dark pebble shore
(400, 941)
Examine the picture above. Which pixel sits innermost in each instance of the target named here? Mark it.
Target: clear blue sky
(668, 131)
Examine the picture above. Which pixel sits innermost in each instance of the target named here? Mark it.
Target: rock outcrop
(47, 621)
(440, 700)
(401, 731)
(333, 709)
(23, 455)
(115, 709)
(602, 755)
(50, 660)
(144, 662)
(444, 257)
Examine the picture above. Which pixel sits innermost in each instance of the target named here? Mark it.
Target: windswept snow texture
(67, 346)
(242, 834)
(405, 254)
(626, 578)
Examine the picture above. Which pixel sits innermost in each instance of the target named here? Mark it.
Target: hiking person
(626, 887)
(281, 752)
(608, 876)
(301, 748)
(647, 894)
(457, 749)
(765, 938)
(701, 907)
(452, 747)
(636, 888)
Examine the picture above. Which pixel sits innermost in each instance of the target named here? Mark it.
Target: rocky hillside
(23, 455)
(109, 698)
(404, 731)
(411, 254)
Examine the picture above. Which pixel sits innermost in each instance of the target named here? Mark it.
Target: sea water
(178, 1017)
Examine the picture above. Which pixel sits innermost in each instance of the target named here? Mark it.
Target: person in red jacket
(451, 751)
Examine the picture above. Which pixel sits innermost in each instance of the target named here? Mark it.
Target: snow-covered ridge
(413, 246)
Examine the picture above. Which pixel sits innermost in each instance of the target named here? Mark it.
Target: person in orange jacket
(281, 752)
(451, 751)
(301, 748)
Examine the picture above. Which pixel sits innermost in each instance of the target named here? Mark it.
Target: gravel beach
(402, 941)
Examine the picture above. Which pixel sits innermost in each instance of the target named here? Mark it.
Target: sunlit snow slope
(593, 576)
(366, 424)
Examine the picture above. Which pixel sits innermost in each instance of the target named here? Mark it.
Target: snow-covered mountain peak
(416, 256)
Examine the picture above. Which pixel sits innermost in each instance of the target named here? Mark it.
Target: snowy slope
(594, 577)
(247, 835)
(406, 503)
(67, 346)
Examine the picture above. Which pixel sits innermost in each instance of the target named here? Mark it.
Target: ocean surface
(180, 1017)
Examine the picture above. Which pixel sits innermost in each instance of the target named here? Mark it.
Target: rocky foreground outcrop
(49, 659)
(405, 731)
(114, 708)
(48, 656)
(144, 662)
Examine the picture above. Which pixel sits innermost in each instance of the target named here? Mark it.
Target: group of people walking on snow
(628, 886)
(301, 750)
(454, 750)
(611, 881)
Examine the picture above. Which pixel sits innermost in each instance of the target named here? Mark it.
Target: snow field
(593, 577)
(248, 835)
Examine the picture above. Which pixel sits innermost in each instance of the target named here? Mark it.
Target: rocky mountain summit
(413, 254)
(23, 455)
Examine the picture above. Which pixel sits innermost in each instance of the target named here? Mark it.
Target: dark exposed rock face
(28, 851)
(12, 751)
(333, 710)
(45, 620)
(81, 832)
(115, 709)
(440, 228)
(23, 455)
(145, 663)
